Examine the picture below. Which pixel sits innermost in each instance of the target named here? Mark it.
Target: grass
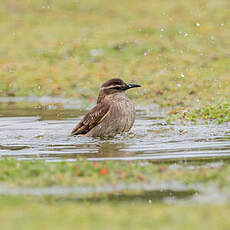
(84, 173)
(22, 213)
(177, 50)
(116, 210)
(217, 112)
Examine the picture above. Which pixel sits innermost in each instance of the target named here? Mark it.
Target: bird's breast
(119, 119)
(122, 113)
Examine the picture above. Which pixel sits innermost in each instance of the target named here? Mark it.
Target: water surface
(40, 127)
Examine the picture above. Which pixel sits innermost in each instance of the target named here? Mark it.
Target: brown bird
(113, 114)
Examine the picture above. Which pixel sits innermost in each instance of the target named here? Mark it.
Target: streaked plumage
(113, 114)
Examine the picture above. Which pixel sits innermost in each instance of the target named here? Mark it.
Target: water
(40, 127)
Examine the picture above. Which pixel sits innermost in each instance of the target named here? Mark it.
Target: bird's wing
(91, 119)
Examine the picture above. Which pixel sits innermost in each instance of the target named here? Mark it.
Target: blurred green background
(178, 50)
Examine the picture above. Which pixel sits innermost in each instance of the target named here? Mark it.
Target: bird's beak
(129, 86)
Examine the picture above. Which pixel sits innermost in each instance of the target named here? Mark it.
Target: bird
(113, 114)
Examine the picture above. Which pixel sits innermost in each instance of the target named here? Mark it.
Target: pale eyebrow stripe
(112, 86)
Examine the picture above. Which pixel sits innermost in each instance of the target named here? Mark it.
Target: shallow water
(40, 127)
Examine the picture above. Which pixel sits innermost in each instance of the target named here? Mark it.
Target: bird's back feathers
(91, 119)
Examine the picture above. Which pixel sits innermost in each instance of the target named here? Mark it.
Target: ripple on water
(43, 132)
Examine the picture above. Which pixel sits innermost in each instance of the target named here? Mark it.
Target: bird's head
(114, 85)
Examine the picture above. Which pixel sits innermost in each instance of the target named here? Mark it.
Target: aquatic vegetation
(212, 112)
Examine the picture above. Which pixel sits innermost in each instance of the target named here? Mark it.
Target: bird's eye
(117, 88)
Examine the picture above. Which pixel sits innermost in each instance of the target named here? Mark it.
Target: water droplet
(96, 52)
(150, 50)
(143, 164)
